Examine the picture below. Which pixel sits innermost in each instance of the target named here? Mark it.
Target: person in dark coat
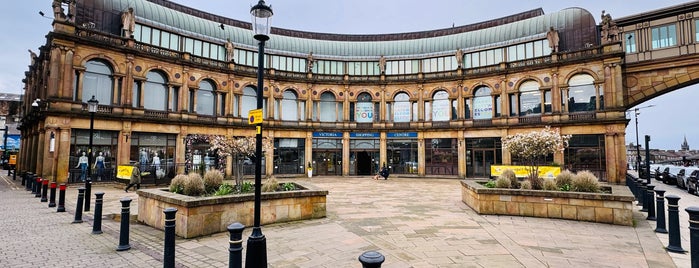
(383, 173)
(135, 178)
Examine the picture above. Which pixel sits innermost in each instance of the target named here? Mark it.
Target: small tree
(239, 148)
(532, 147)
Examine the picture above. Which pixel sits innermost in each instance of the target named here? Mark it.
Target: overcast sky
(668, 122)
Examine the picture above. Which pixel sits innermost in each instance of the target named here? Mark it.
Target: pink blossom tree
(533, 147)
(240, 148)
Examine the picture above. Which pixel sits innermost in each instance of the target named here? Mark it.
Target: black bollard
(45, 191)
(642, 196)
(79, 209)
(673, 219)
(169, 251)
(660, 212)
(693, 235)
(88, 190)
(124, 230)
(235, 249)
(371, 259)
(61, 198)
(28, 183)
(39, 183)
(35, 190)
(14, 173)
(24, 178)
(97, 222)
(52, 195)
(649, 200)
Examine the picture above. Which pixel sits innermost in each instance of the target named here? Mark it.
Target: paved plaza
(412, 222)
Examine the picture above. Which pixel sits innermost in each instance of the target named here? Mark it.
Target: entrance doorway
(481, 162)
(366, 162)
(481, 153)
(327, 162)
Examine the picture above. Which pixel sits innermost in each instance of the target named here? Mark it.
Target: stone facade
(615, 208)
(197, 216)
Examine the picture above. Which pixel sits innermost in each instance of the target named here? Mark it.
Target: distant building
(685, 145)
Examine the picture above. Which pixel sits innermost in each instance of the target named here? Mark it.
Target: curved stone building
(429, 104)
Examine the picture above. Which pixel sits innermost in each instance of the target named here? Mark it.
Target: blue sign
(327, 134)
(12, 142)
(401, 135)
(364, 135)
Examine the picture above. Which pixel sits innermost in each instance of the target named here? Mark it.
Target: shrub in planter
(270, 184)
(537, 183)
(526, 185)
(510, 175)
(212, 180)
(225, 189)
(585, 181)
(194, 185)
(177, 184)
(503, 182)
(564, 179)
(550, 185)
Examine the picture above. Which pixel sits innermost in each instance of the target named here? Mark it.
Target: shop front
(103, 158)
(289, 156)
(364, 153)
(441, 157)
(155, 155)
(481, 153)
(401, 152)
(327, 153)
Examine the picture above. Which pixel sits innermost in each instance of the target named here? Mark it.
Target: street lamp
(256, 255)
(92, 108)
(638, 146)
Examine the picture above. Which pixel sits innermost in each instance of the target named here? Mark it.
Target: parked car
(657, 171)
(682, 180)
(675, 174)
(664, 175)
(692, 179)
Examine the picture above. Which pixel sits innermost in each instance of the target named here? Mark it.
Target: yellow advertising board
(124, 172)
(522, 171)
(13, 159)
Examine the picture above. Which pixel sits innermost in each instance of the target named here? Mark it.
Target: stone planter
(614, 208)
(198, 216)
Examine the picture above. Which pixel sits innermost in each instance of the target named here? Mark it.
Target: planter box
(198, 216)
(615, 208)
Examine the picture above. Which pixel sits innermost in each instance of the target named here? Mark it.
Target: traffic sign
(255, 117)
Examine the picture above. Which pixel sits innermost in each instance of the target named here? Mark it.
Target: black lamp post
(638, 145)
(92, 108)
(256, 255)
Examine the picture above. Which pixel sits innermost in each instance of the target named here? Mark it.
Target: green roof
(158, 16)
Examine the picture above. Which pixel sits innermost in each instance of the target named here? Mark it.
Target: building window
(248, 101)
(401, 108)
(155, 91)
(529, 98)
(98, 81)
(586, 152)
(206, 98)
(483, 103)
(441, 157)
(630, 40)
(467, 108)
(290, 107)
(330, 109)
(583, 94)
(664, 36)
(364, 110)
(440, 107)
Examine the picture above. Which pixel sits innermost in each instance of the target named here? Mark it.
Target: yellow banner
(13, 159)
(523, 171)
(124, 172)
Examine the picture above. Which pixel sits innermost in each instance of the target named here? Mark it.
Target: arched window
(364, 110)
(206, 98)
(98, 81)
(529, 98)
(401, 108)
(583, 94)
(439, 110)
(155, 92)
(291, 110)
(248, 101)
(482, 103)
(329, 108)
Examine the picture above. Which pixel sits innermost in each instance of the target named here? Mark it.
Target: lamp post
(256, 255)
(92, 108)
(638, 146)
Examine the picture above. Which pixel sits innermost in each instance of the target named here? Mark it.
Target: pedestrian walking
(135, 178)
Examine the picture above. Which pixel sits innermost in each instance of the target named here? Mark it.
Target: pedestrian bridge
(661, 51)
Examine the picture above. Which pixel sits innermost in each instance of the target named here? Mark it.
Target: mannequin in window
(82, 164)
(156, 162)
(143, 159)
(99, 166)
